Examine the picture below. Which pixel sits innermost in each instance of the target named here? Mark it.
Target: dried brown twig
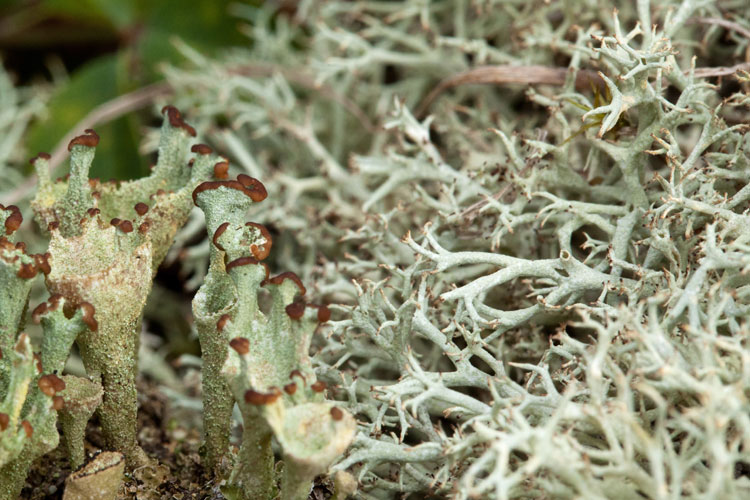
(505, 74)
(543, 75)
(724, 23)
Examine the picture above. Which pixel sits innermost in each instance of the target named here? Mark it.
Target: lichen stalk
(217, 397)
(254, 472)
(82, 397)
(107, 240)
(214, 303)
(268, 351)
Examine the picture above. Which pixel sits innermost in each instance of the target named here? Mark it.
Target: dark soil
(178, 475)
(164, 436)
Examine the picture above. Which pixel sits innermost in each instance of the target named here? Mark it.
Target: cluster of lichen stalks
(268, 352)
(106, 243)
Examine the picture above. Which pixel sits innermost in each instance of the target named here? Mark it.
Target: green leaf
(95, 83)
(207, 27)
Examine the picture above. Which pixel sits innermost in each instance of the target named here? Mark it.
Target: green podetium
(29, 387)
(76, 392)
(27, 416)
(267, 371)
(17, 268)
(106, 243)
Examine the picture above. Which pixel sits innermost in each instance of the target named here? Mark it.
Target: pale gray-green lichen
(550, 280)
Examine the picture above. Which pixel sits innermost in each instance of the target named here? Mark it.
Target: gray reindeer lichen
(544, 286)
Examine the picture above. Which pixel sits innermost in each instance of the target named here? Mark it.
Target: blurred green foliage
(117, 46)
